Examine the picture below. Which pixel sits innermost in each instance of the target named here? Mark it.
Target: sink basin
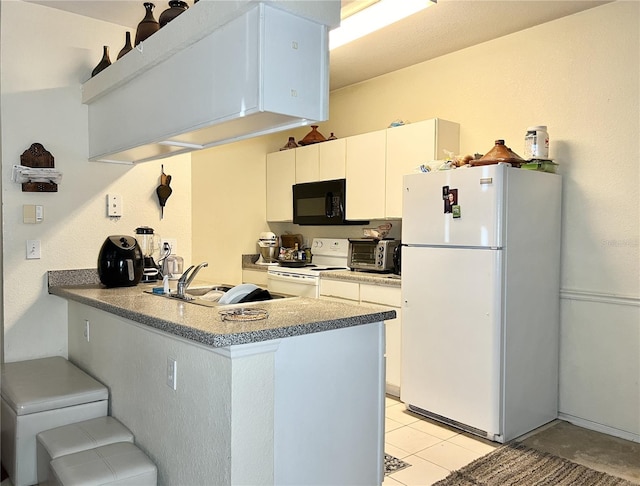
(200, 291)
(209, 295)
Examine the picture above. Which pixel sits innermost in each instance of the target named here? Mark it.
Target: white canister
(536, 143)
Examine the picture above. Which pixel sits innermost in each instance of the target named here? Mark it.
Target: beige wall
(578, 75)
(46, 54)
(229, 195)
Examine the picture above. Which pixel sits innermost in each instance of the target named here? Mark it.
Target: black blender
(150, 245)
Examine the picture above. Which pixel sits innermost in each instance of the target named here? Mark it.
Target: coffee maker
(268, 247)
(150, 246)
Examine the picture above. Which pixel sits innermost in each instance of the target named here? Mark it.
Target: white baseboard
(393, 390)
(605, 429)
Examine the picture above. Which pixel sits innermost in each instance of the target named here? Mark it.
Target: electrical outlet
(172, 373)
(33, 249)
(173, 244)
(85, 333)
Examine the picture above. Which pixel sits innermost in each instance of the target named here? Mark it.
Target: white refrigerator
(480, 295)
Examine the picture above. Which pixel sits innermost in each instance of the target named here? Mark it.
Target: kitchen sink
(200, 291)
(209, 295)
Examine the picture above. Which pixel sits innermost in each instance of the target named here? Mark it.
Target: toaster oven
(371, 255)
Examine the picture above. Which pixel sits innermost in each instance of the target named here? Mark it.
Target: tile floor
(432, 449)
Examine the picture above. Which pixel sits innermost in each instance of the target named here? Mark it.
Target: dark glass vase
(104, 63)
(127, 46)
(148, 25)
(176, 7)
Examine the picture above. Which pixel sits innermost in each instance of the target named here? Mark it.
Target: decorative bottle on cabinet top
(148, 25)
(127, 46)
(176, 7)
(291, 144)
(104, 63)
(314, 136)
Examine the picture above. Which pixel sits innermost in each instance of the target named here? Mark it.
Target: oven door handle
(299, 279)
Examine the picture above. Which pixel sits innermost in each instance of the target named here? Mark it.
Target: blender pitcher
(150, 246)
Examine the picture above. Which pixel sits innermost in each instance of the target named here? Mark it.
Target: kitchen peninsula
(297, 398)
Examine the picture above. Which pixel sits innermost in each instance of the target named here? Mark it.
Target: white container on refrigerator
(480, 293)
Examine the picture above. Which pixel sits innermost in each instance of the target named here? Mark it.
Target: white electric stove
(328, 254)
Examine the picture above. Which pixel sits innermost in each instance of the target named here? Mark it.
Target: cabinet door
(365, 170)
(307, 164)
(332, 159)
(409, 146)
(393, 335)
(340, 289)
(379, 296)
(281, 170)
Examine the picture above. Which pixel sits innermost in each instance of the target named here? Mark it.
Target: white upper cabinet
(410, 145)
(332, 155)
(281, 176)
(372, 163)
(219, 72)
(307, 163)
(365, 170)
(317, 162)
(321, 161)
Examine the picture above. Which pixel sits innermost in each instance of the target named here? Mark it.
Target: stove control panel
(338, 247)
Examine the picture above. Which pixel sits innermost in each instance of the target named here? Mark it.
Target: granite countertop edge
(383, 279)
(287, 318)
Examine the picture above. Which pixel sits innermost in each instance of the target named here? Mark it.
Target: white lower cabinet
(374, 296)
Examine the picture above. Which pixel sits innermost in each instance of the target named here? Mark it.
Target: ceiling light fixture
(375, 17)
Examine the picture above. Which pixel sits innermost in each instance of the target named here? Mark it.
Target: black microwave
(321, 203)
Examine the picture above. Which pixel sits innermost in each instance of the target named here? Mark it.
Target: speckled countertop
(287, 317)
(249, 263)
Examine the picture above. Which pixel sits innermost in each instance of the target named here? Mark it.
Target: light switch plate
(33, 249)
(39, 213)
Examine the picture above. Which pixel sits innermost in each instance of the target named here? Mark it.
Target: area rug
(518, 465)
(393, 464)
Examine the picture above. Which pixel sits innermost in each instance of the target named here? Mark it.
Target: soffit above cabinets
(220, 72)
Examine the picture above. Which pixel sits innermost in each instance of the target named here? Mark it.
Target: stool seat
(77, 437)
(48, 383)
(122, 463)
(38, 395)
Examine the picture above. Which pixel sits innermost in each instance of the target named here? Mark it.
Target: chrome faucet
(186, 279)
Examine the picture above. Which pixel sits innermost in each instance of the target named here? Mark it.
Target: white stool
(38, 395)
(77, 437)
(121, 463)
